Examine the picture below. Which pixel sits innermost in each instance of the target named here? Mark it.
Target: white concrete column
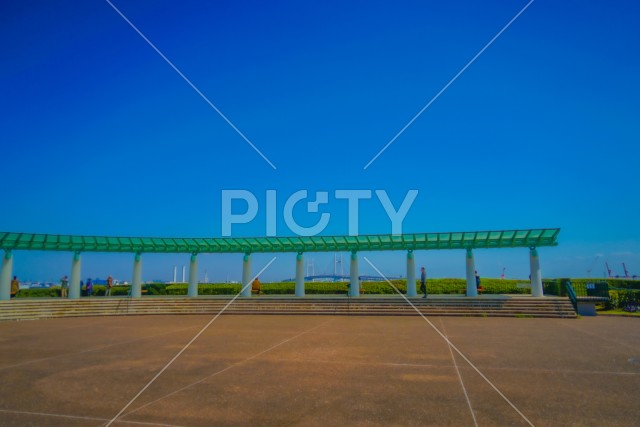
(5, 275)
(536, 275)
(136, 283)
(74, 283)
(300, 274)
(246, 275)
(411, 275)
(354, 290)
(193, 276)
(472, 290)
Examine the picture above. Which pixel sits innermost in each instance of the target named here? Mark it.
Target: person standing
(15, 287)
(478, 287)
(423, 281)
(107, 292)
(89, 287)
(64, 287)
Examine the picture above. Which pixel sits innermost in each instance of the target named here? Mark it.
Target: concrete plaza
(320, 370)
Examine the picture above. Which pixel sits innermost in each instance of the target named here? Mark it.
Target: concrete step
(498, 306)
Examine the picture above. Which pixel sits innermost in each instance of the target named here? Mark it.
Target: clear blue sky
(100, 136)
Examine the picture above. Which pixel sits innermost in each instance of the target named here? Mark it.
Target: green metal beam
(381, 242)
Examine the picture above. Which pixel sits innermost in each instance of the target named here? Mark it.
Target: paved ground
(320, 370)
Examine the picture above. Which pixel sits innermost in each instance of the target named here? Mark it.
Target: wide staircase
(484, 306)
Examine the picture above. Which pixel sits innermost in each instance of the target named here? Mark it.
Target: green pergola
(529, 238)
(382, 242)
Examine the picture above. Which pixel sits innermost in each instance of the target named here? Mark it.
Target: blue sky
(101, 136)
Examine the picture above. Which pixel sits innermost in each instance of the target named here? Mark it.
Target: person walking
(107, 292)
(64, 287)
(15, 287)
(89, 287)
(423, 281)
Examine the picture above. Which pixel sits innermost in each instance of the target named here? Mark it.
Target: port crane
(609, 271)
(628, 275)
(592, 265)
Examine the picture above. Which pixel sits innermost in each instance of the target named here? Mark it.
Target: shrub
(39, 292)
(204, 289)
(434, 286)
(155, 288)
(554, 287)
(621, 298)
(100, 290)
(54, 291)
(279, 288)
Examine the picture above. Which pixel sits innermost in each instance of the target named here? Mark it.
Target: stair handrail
(572, 294)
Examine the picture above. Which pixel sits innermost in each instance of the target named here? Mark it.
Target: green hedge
(54, 291)
(99, 290)
(621, 283)
(39, 293)
(155, 288)
(489, 286)
(556, 286)
(620, 298)
(204, 289)
(434, 286)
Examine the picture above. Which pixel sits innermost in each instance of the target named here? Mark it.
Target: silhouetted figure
(107, 292)
(15, 287)
(64, 287)
(255, 286)
(423, 281)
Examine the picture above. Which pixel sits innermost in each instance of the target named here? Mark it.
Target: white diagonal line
(464, 389)
(228, 367)
(448, 84)
(451, 345)
(80, 417)
(92, 349)
(189, 343)
(190, 84)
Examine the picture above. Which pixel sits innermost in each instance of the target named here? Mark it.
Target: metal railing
(572, 295)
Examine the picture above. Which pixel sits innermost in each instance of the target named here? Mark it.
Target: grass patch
(619, 312)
